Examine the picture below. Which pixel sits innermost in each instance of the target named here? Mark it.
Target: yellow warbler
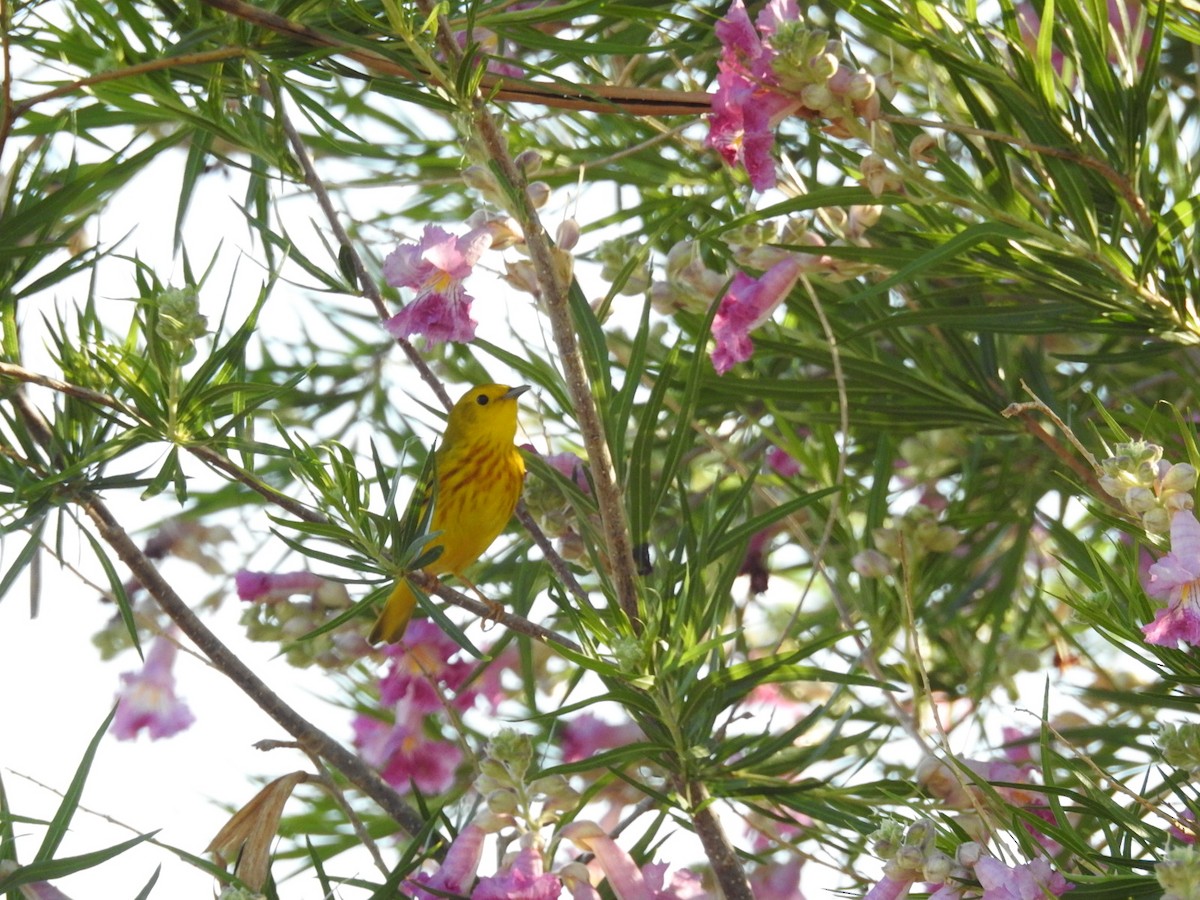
(479, 475)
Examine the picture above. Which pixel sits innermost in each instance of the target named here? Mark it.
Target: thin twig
(1115, 178)
(554, 294)
(366, 283)
(200, 450)
(8, 115)
(221, 657)
(554, 290)
(633, 101)
(557, 563)
(431, 585)
(313, 739)
(154, 65)
(1090, 476)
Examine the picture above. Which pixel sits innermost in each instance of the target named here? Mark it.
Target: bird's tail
(396, 612)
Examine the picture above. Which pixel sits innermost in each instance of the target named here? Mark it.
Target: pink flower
(1029, 881)
(148, 699)
(782, 463)
(747, 104)
(588, 734)
(1018, 746)
(435, 269)
(420, 673)
(749, 303)
(890, 888)
(1176, 576)
(627, 881)
(526, 879)
(268, 587)
(571, 467)
(779, 881)
(684, 884)
(457, 870)
(1188, 818)
(404, 756)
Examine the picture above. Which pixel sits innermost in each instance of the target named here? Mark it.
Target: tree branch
(311, 738)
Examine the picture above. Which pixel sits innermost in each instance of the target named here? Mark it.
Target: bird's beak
(514, 393)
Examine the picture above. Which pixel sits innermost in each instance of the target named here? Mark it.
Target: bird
(479, 474)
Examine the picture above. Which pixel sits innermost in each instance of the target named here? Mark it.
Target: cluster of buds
(286, 607)
(615, 257)
(910, 854)
(1180, 746)
(1179, 874)
(553, 508)
(513, 800)
(690, 285)
(177, 321)
(1147, 485)
(915, 535)
(810, 65)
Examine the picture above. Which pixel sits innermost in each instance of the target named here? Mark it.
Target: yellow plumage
(479, 478)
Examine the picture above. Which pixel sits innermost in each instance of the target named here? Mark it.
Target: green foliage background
(1044, 245)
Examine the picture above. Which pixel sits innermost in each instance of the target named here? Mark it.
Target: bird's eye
(482, 399)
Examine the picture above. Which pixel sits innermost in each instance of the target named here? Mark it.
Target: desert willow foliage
(861, 431)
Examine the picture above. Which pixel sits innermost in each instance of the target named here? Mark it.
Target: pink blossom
(571, 467)
(457, 871)
(782, 463)
(749, 303)
(779, 881)
(404, 756)
(627, 881)
(1029, 881)
(747, 104)
(420, 673)
(1176, 576)
(435, 269)
(1018, 747)
(526, 879)
(39, 890)
(268, 587)
(754, 563)
(147, 699)
(684, 884)
(588, 734)
(1188, 818)
(892, 888)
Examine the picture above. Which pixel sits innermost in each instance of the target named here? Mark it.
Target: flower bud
(823, 66)
(521, 275)
(862, 86)
(503, 802)
(887, 838)
(1179, 477)
(1174, 503)
(968, 854)
(480, 178)
(920, 147)
(1139, 500)
(1157, 521)
(1179, 874)
(567, 236)
(816, 97)
(529, 160)
(937, 867)
(871, 564)
(539, 194)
